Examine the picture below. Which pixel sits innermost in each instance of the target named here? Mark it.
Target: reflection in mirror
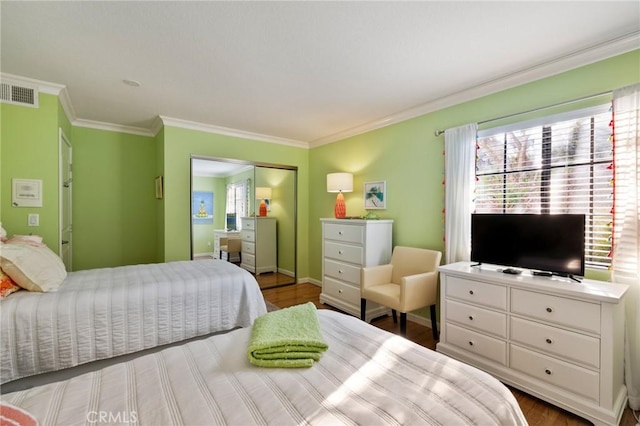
(226, 199)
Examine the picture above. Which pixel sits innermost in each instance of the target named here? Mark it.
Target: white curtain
(459, 184)
(626, 252)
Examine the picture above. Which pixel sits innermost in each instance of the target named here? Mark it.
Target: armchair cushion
(375, 275)
(408, 282)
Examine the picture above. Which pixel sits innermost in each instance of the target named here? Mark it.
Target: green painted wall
(180, 144)
(410, 157)
(29, 150)
(114, 204)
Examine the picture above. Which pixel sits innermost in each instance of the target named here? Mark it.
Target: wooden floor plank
(536, 411)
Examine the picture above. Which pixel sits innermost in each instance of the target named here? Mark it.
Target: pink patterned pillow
(7, 285)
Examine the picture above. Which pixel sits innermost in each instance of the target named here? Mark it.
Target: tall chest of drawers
(559, 340)
(259, 244)
(347, 246)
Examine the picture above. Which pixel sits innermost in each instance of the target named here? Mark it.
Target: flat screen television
(552, 243)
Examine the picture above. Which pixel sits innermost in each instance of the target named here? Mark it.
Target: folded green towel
(289, 337)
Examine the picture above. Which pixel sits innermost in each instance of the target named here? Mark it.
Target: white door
(65, 201)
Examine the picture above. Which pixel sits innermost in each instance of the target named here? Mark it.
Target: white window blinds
(557, 164)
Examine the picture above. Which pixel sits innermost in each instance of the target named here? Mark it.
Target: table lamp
(340, 183)
(262, 193)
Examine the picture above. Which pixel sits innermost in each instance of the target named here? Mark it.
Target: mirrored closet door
(253, 204)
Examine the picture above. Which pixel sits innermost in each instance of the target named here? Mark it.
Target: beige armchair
(230, 246)
(409, 282)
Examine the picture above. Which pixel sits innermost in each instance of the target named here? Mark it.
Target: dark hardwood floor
(536, 411)
(273, 279)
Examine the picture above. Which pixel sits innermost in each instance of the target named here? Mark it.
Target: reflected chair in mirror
(407, 283)
(230, 246)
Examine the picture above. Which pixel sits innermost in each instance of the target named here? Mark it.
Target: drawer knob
(470, 343)
(339, 271)
(470, 317)
(340, 291)
(549, 341)
(547, 371)
(339, 232)
(339, 251)
(470, 291)
(549, 309)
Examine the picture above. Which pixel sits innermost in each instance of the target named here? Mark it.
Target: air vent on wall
(19, 94)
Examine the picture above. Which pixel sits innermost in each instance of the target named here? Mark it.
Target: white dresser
(347, 246)
(221, 233)
(259, 244)
(554, 338)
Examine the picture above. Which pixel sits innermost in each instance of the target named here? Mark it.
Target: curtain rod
(584, 98)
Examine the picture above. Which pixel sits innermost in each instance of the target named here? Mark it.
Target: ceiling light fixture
(131, 83)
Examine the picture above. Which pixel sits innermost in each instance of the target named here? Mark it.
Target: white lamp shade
(339, 182)
(263, 192)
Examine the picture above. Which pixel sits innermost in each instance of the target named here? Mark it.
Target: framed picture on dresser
(375, 195)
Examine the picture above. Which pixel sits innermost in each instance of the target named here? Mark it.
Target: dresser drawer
(558, 310)
(479, 344)
(344, 233)
(555, 341)
(340, 290)
(344, 252)
(249, 224)
(478, 318)
(562, 374)
(248, 247)
(249, 259)
(248, 235)
(491, 295)
(343, 272)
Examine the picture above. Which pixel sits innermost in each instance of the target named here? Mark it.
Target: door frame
(62, 141)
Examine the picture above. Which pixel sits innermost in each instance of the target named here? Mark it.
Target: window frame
(545, 203)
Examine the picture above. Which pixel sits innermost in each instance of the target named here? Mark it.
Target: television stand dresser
(554, 338)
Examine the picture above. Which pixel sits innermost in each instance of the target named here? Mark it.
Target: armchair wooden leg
(395, 316)
(403, 324)
(434, 323)
(363, 308)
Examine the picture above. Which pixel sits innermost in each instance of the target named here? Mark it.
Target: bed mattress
(367, 376)
(102, 313)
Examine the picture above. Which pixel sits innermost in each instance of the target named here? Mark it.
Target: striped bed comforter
(102, 313)
(367, 376)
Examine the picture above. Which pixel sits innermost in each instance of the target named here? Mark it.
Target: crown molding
(218, 130)
(67, 106)
(99, 125)
(555, 66)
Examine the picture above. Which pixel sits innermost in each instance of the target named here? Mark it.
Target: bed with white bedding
(103, 313)
(367, 376)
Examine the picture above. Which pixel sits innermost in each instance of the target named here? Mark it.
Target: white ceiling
(299, 71)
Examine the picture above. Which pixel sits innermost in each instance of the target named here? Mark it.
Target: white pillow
(34, 268)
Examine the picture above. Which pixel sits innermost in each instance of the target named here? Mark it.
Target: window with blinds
(558, 164)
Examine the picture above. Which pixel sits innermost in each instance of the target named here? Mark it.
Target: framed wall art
(375, 195)
(202, 207)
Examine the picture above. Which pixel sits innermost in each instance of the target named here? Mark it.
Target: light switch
(34, 219)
